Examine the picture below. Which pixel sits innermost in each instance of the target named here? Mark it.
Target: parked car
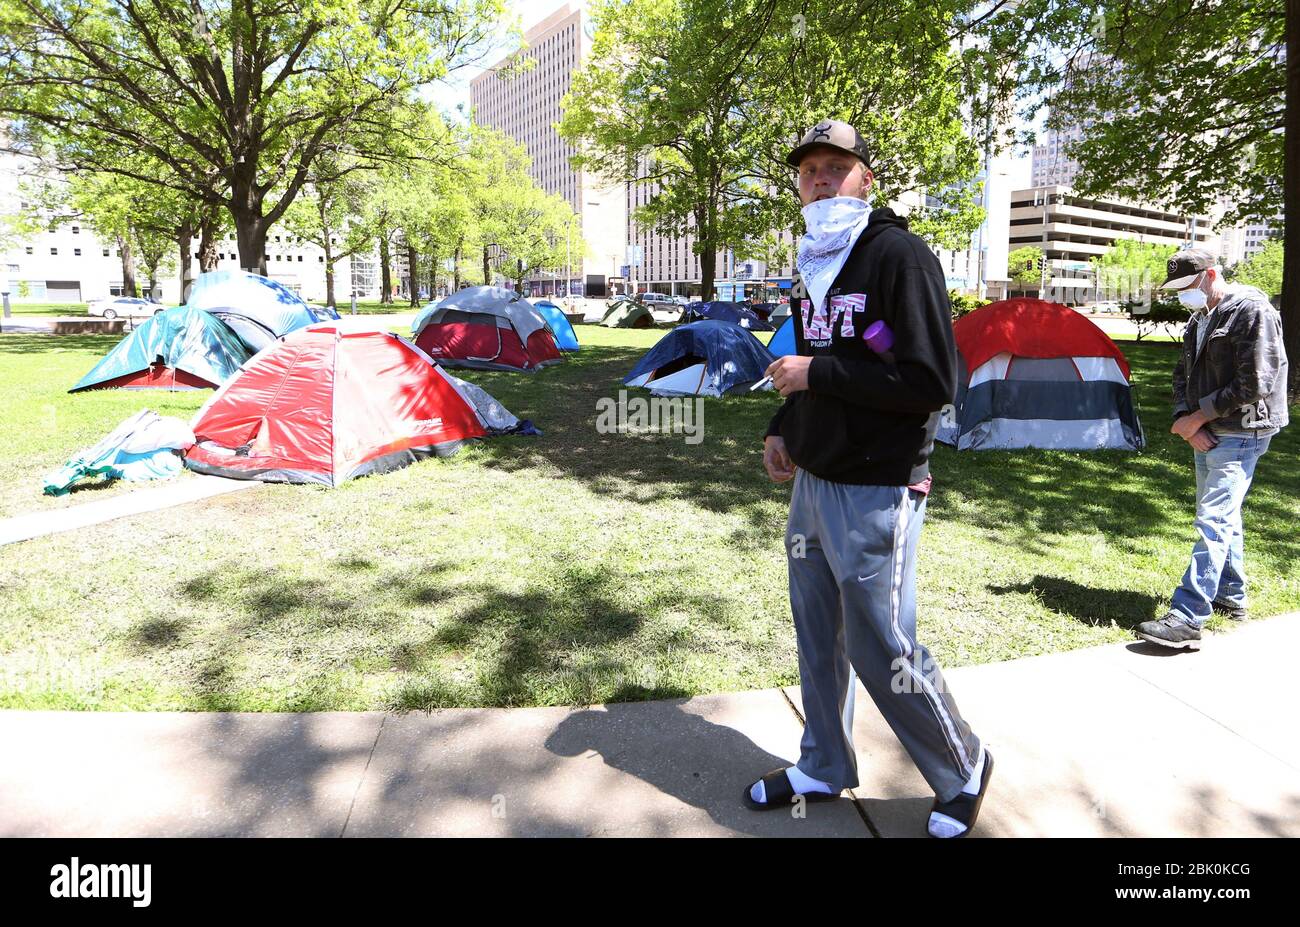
(122, 307)
(666, 312)
(651, 299)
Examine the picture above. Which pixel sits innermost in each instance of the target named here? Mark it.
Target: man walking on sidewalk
(1229, 400)
(855, 433)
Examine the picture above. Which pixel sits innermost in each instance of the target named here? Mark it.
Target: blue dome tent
(565, 337)
(702, 359)
(782, 342)
(257, 309)
(722, 311)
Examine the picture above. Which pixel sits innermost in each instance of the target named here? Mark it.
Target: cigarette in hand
(760, 384)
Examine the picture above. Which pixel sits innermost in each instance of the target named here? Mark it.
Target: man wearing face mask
(1229, 400)
(855, 434)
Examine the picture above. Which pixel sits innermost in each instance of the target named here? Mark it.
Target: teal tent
(179, 349)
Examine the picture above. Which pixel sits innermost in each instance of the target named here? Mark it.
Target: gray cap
(831, 133)
(1183, 266)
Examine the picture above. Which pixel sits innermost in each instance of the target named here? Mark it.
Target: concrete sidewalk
(138, 501)
(1116, 740)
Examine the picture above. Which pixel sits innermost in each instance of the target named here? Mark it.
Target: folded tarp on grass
(144, 447)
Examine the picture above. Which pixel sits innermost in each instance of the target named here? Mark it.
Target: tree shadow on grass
(722, 473)
(564, 644)
(570, 640)
(1088, 604)
(1027, 497)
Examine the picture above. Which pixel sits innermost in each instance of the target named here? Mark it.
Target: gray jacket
(1238, 377)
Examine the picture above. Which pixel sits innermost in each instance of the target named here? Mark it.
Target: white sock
(801, 783)
(941, 825)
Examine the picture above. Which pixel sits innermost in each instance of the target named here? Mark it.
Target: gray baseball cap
(831, 133)
(1183, 266)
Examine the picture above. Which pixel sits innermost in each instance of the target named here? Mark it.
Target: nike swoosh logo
(863, 579)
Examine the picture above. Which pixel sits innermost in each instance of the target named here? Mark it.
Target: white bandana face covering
(833, 228)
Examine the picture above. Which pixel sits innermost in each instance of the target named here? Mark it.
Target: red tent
(486, 327)
(1027, 327)
(323, 406)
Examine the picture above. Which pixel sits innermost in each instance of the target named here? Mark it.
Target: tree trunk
(385, 268)
(708, 265)
(209, 241)
(246, 209)
(487, 268)
(250, 234)
(128, 267)
(455, 279)
(329, 274)
(413, 267)
(185, 242)
(1291, 201)
(433, 275)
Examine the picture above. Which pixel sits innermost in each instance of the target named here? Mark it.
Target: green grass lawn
(46, 309)
(570, 568)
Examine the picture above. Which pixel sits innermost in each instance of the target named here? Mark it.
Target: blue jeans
(1217, 571)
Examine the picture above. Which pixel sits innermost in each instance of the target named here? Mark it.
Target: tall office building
(1241, 242)
(525, 105)
(670, 265)
(1052, 167)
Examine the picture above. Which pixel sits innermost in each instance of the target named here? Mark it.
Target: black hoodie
(865, 419)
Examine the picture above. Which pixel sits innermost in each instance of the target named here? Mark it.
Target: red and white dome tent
(1038, 374)
(486, 328)
(325, 406)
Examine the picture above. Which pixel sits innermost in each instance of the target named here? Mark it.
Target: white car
(115, 307)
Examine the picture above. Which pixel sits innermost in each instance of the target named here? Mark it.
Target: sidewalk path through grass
(1117, 740)
(138, 502)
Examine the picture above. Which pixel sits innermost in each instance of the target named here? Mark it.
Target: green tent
(628, 314)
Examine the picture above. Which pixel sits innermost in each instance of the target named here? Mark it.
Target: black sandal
(779, 793)
(965, 808)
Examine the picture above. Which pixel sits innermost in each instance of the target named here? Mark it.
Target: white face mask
(826, 218)
(833, 227)
(1194, 299)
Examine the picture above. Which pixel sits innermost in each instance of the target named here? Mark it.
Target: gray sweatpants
(851, 552)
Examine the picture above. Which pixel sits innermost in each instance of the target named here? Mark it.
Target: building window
(105, 250)
(28, 249)
(76, 230)
(54, 251)
(76, 252)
